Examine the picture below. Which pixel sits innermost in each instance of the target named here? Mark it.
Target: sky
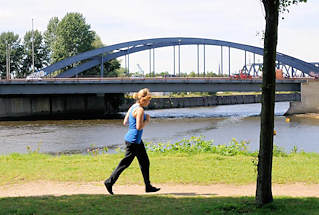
(239, 21)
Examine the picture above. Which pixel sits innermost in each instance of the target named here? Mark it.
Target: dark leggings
(132, 150)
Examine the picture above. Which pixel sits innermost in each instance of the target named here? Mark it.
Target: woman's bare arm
(125, 121)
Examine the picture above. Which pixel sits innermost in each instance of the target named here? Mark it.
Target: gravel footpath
(41, 188)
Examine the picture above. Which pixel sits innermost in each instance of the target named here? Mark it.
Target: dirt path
(70, 188)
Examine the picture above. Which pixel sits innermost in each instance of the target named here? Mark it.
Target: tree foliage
(97, 43)
(284, 4)
(73, 36)
(110, 68)
(62, 39)
(50, 34)
(11, 41)
(41, 57)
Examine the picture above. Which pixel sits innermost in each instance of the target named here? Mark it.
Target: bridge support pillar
(309, 99)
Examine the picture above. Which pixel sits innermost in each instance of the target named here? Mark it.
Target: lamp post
(32, 48)
(7, 60)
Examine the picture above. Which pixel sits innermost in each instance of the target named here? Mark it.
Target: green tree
(192, 74)
(41, 57)
(50, 34)
(110, 67)
(11, 41)
(73, 36)
(272, 9)
(97, 43)
(121, 72)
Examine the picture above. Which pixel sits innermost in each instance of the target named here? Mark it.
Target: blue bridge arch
(99, 56)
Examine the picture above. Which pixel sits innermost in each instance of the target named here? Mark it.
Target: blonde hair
(142, 95)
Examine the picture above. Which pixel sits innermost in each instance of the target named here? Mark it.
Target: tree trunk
(263, 190)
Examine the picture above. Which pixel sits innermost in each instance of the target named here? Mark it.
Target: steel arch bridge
(89, 59)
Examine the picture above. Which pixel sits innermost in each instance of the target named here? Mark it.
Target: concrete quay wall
(88, 106)
(162, 103)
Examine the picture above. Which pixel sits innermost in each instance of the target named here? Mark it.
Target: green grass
(154, 204)
(171, 167)
(189, 161)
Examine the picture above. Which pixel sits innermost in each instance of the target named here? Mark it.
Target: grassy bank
(148, 204)
(168, 167)
(190, 161)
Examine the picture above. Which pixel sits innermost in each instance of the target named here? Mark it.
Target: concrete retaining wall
(162, 103)
(102, 105)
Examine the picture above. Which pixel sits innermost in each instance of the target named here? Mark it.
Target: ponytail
(135, 96)
(142, 95)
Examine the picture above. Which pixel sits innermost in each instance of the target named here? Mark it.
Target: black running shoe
(108, 187)
(151, 189)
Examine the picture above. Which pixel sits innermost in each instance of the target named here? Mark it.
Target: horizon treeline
(62, 39)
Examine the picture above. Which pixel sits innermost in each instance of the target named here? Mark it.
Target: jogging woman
(136, 120)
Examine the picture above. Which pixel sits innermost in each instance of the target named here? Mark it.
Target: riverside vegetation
(189, 161)
(194, 160)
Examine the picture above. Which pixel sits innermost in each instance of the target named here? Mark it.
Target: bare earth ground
(308, 115)
(41, 188)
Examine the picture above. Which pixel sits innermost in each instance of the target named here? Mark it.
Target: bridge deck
(123, 85)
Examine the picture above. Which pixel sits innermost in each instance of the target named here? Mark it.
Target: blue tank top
(133, 135)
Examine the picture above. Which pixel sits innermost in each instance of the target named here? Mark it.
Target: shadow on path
(154, 204)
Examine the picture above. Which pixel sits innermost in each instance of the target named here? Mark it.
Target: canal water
(218, 123)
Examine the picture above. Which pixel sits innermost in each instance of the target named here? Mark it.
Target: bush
(199, 144)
